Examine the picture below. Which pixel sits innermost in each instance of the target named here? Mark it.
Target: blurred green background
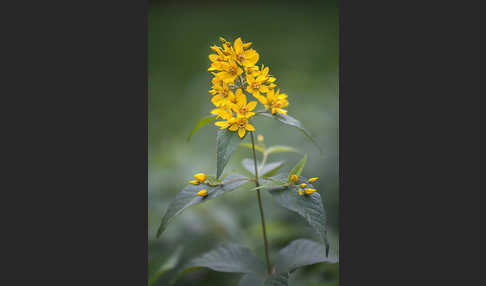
(299, 42)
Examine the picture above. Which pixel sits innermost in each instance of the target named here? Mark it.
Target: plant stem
(262, 217)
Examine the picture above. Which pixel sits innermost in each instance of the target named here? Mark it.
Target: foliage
(238, 75)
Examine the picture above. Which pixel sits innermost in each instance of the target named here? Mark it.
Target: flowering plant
(236, 78)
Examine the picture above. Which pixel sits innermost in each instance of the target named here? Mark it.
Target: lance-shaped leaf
(269, 169)
(226, 143)
(204, 121)
(249, 146)
(228, 257)
(281, 149)
(188, 197)
(297, 169)
(277, 279)
(310, 207)
(301, 252)
(289, 120)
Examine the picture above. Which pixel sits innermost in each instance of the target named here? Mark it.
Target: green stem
(262, 217)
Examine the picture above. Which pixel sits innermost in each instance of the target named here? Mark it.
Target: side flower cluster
(235, 71)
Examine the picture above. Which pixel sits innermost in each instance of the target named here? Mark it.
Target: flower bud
(303, 185)
(201, 177)
(312, 180)
(301, 192)
(294, 178)
(309, 191)
(194, 182)
(260, 138)
(202, 193)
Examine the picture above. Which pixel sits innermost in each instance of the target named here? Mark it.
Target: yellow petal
(301, 192)
(260, 98)
(312, 180)
(251, 105)
(303, 185)
(233, 127)
(240, 97)
(250, 127)
(222, 124)
(247, 45)
(294, 178)
(202, 193)
(251, 58)
(309, 191)
(238, 45)
(241, 132)
(200, 177)
(194, 182)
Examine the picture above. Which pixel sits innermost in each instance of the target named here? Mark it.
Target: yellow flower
(202, 193)
(229, 71)
(275, 101)
(194, 182)
(252, 71)
(301, 192)
(256, 85)
(223, 96)
(241, 108)
(222, 112)
(217, 58)
(294, 178)
(312, 180)
(241, 125)
(246, 58)
(303, 185)
(309, 191)
(226, 115)
(201, 177)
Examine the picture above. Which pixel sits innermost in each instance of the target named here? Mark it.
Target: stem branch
(262, 217)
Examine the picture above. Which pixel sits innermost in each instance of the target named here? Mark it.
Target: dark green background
(299, 42)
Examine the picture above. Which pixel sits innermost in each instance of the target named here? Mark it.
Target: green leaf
(228, 257)
(249, 146)
(277, 279)
(281, 149)
(168, 265)
(310, 207)
(252, 280)
(301, 252)
(297, 170)
(269, 169)
(200, 124)
(289, 120)
(188, 197)
(226, 143)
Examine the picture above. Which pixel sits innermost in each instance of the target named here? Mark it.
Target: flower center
(243, 110)
(240, 57)
(256, 85)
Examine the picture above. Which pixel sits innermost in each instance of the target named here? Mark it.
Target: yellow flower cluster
(302, 187)
(237, 72)
(199, 178)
